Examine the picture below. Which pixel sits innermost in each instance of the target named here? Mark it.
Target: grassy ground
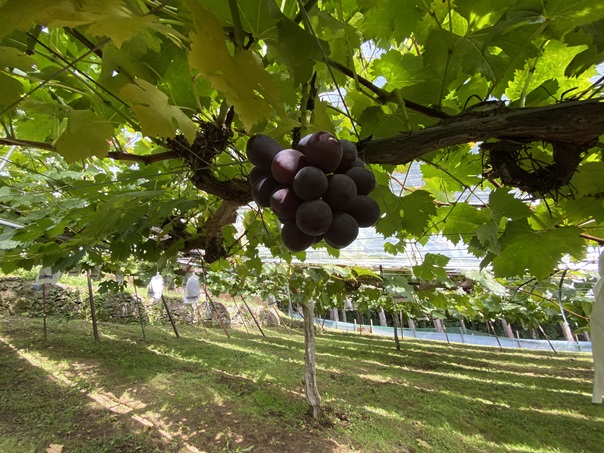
(245, 393)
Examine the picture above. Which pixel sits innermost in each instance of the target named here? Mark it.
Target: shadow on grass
(220, 394)
(189, 391)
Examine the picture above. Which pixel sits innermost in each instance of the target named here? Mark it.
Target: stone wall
(20, 297)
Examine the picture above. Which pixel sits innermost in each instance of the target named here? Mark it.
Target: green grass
(246, 394)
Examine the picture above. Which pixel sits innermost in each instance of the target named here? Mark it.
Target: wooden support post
(445, 330)
(518, 338)
(253, 317)
(240, 314)
(163, 299)
(546, 337)
(218, 315)
(205, 290)
(578, 343)
(370, 325)
(201, 320)
(44, 309)
(494, 333)
(281, 320)
(95, 329)
(140, 313)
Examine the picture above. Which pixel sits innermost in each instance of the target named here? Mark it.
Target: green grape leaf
(433, 267)
(462, 221)
(14, 58)
(389, 19)
(87, 134)
(156, 116)
(589, 178)
(503, 204)
(488, 235)
(418, 207)
(536, 252)
(10, 89)
(399, 70)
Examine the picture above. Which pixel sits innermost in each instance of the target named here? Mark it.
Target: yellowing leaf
(112, 18)
(87, 134)
(121, 27)
(242, 77)
(156, 116)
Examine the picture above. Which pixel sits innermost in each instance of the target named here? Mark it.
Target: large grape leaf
(418, 208)
(241, 77)
(461, 221)
(87, 134)
(502, 205)
(10, 89)
(433, 267)
(14, 58)
(589, 178)
(399, 69)
(112, 18)
(156, 116)
(536, 252)
(389, 19)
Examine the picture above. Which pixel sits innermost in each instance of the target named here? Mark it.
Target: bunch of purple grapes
(318, 190)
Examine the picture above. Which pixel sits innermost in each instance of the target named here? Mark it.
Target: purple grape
(313, 217)
(286, 164)
(310, 183)
(261, 149)
(324, 151)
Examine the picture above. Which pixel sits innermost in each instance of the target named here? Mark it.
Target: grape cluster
(318, 190)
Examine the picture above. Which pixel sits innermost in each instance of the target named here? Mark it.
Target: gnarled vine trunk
(310, 368)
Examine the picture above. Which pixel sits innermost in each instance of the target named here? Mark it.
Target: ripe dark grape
(261, 149)
(310, 183)
(343, 230)
(359, 163)
(302, 143)
(313, 217)
(341, 191)
(365, 211)
(284, 203)
(294, 239)
(286, 164)
(256, 174)
(349, 156)
(363, 178)
(262, 189)
(324, 151)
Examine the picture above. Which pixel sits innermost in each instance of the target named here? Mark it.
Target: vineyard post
(92, 309)
(163, 299)
(240, 314)
(518, 337)
(44, 309)
(547, 338)
(201, 320)
(253, 317)
(491, 327)
(140, 312)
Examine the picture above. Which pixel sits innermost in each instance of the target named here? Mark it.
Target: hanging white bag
(156, 287)
(192, 290)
